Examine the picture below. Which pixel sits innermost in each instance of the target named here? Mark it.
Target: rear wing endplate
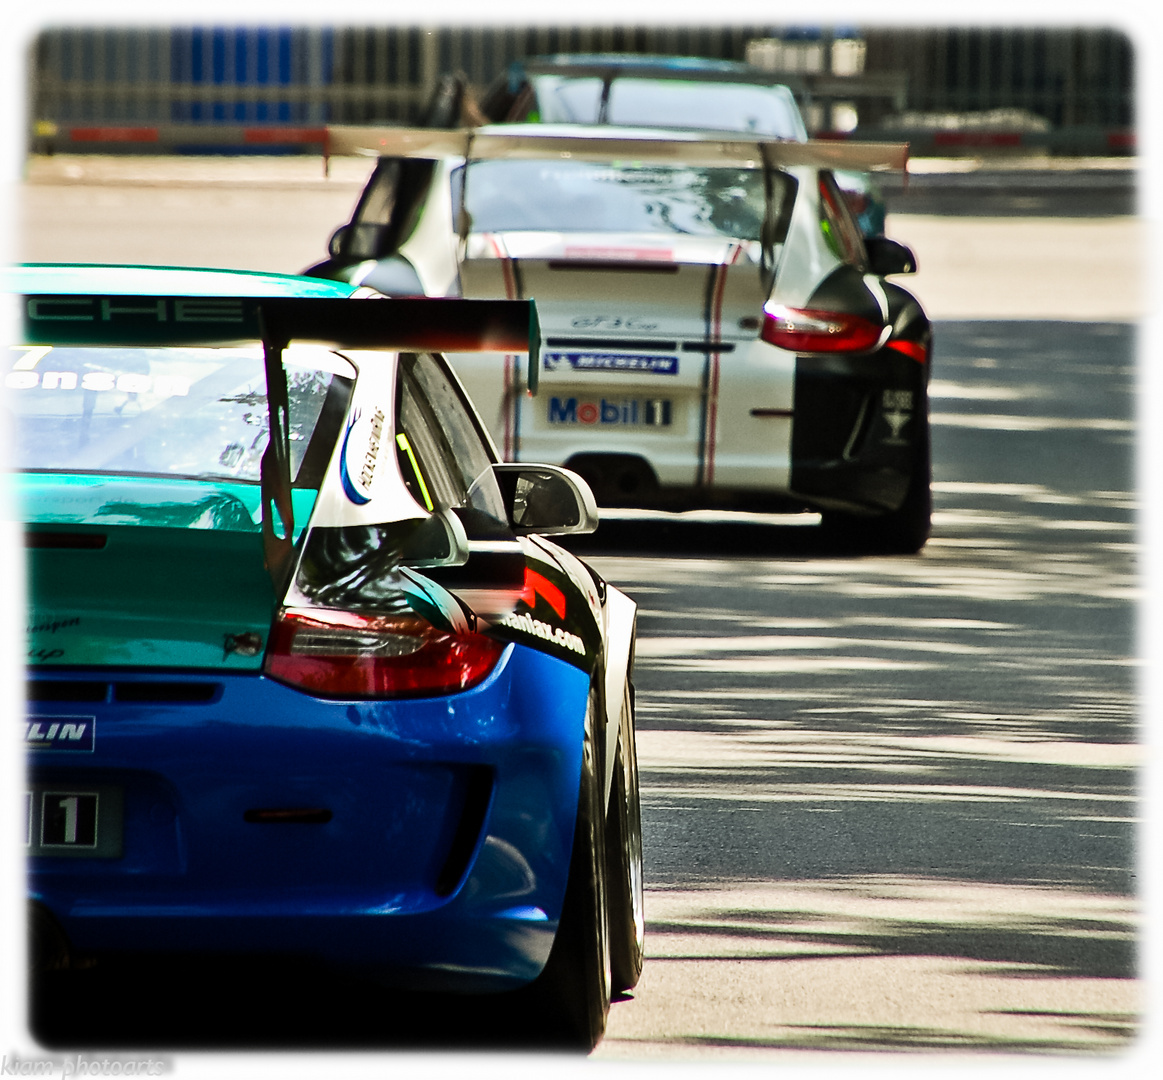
(662, 147)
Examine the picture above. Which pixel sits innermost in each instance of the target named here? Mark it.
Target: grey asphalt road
(889, 802)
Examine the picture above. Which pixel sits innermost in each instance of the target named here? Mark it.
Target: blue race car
(305, 678)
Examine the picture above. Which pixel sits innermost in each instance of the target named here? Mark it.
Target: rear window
(188, 412)
(562, 99)
(674, 103)
(687, 104)
(442, 456)
(576, 196)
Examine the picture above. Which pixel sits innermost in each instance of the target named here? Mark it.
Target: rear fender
(621, 614)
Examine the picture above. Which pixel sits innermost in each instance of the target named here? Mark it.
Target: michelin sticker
(586, 361)
(61, 733)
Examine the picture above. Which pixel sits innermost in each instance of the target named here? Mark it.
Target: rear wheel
(573, 990)
(624, 857)
(902, 531)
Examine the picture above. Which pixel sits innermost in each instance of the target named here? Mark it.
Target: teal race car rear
(301, 683)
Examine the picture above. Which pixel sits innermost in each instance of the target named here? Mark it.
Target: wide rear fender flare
(621, 615)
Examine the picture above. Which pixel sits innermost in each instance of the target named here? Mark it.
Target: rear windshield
(695, 104)
(188, 412)
(672, 103)
(567, 100)
(577, 196)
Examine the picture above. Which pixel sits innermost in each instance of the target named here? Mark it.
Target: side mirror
(394, 276)
(337, 245)
(886, 257)
(546, 499)
(437, 540)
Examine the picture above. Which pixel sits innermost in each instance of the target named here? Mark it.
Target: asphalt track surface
(889, 802)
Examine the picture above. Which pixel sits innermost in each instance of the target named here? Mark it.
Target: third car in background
(717, 332)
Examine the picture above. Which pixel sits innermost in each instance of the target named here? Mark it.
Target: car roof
(86, 278)
(641, 64)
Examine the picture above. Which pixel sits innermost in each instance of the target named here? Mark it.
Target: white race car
(716, 331)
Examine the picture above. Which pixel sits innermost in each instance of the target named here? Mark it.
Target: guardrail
(203, 138)
(49, 138)
(1068, 142)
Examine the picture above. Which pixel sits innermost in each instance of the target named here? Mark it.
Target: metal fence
(1069, 77)
(126, 79)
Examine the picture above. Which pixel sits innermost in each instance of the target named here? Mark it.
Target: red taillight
(341, 654)
(811, 330)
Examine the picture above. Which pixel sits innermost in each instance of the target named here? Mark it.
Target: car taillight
(342, 654)
(812, 330)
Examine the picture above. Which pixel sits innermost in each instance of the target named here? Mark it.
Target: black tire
(624, 857)
(573, 991)
(905, 530)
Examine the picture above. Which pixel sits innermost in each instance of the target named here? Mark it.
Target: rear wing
(407, 325)
(662, 147)
(417, 325)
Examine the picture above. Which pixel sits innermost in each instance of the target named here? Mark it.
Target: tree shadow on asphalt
(1012, 870)
(1077, 948)
(677, 536)
(865, 1038)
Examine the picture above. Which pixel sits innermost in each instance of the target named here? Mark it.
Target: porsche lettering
(115, 308)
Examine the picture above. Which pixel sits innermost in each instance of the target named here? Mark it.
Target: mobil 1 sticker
(75, 733)
(609, 412)
(628, 362)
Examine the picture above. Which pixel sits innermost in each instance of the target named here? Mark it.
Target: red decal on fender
(914, 350)
(536, 585)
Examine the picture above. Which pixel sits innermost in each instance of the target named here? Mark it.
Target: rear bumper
(783, 433)
(858, 423)
(432, 840)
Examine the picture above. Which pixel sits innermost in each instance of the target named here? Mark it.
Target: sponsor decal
(896, 407)
(99, 381)
(51, 626)
(611, 322)
(76, 733)
(245, 644)
(606, 413)
(526, 624)
(360, 455)
(588, 361)
(622, 254)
